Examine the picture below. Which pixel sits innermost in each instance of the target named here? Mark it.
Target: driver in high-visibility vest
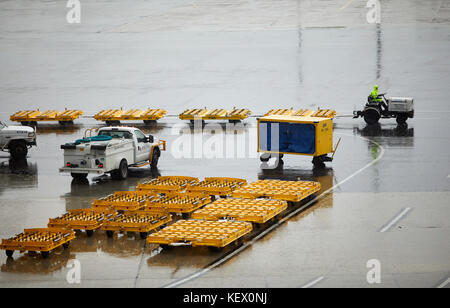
(374, 95)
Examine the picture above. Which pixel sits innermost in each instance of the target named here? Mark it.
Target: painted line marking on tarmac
(312, 283)
(281, 221)
(346, 5)
(442, 285)
(395, 220)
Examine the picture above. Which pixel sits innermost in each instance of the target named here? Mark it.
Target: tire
(265, 157)
(318, 162)
(45, 254)
(66, 245)
(122, 172)
(89, 233)
(401, 119)
(149, 122)
(18, 149)
(79, 176)
(371, 115)
(143, 235)
(9, 253)
(109, 233)
(155, 158)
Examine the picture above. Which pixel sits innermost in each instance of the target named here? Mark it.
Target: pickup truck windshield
(2, 125)
(116, 134)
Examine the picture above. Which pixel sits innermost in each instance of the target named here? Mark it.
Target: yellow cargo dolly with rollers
(304, 134)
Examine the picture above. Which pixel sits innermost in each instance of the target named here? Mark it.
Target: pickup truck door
(142, 147)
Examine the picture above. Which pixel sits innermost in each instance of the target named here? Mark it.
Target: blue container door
(287, 137)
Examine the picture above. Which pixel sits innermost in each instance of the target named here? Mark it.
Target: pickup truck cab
(113, 151)
(16, 140)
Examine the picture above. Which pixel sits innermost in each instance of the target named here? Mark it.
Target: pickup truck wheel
(18, 149)
(122, 172)
(155, 158)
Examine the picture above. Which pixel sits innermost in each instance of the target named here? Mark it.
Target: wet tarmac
(385, 196)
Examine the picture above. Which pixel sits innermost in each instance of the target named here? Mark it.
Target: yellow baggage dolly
(292, 191)
(194, 233)
(233, 116)
(114, 116)
(124, 201)
(181, 203)
(81, 219)
(28, 117)
(300, 132)
(258, 211)
(136, 221)
(43, 240)
(216, 186)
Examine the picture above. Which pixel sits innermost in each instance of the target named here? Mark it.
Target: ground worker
(374, 95)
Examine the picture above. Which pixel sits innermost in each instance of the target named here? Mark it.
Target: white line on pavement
(395, 220)
(314, 282)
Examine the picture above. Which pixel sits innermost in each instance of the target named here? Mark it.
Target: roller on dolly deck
(194, 233)
(31, 117)
(301, 132)
(142, 222)
(216, 186)
(291, 191)
(42, 240)
(115, 116)
(258, 211)
(88, 220)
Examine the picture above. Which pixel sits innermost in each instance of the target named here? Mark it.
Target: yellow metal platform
(293, 191)
(136, 221)
(319, 113)
(124, 201)
(118, 115)
(251, 210)
(27, 116)
(216, 114)
(179, 202)
(201, 233)
(167, 184)
(80, 219)
(216, 186)
(43, 240)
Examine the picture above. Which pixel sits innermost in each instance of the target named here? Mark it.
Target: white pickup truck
(16, 140)
(112, 151)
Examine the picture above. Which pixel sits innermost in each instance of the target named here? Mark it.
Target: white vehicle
(112, 151)
(16, 140)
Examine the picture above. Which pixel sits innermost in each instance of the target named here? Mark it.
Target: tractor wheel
(401, 119)
(371, 115)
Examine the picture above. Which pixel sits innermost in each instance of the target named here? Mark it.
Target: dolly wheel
(401, 119)
(109, 233)
(9, 253)
(45, 254)
(143, 235)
